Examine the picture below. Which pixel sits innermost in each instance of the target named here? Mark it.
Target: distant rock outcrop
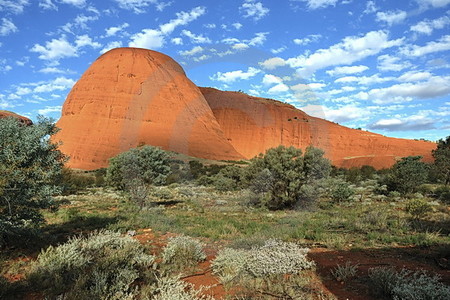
(129, 97)
(253, 125)
(22, 119)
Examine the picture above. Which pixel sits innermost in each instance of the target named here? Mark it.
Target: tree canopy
(442, 160)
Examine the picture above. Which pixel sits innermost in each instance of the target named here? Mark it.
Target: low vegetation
(259, 218)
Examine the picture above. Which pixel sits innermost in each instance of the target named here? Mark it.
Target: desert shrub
(173, 288)
(137, 170)
(280, 173)
(441, 157)
(443, 193)
(72, 182)
(104, 265)
(230, 264)
(205, 180)
(347, 271)
(342, 192)
(418, 208)
(406, 285)
(30, 165)
(222, 183)
(407, 175)
(182, 251)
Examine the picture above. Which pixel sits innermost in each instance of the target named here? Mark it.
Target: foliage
(230, 178)
(441, 157)
(137, 169)
(408, 174)
(29, 166)
(281, 172)
(103, 265)
(418, 208)
(183, 251)
(347, 271)
(406, 285)
(342, 192)
(172, 288)
(73, 182)
(443, 194)
(230, 264)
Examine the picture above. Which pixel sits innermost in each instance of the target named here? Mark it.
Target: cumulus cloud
(13, 6)
(427, 26)
(253, 9)
(315, 4)
(7, 27)
(182, 18)
(415, 76)
(193, 51)
(370, 7)
(279, 88)
(364, 80)
(59, 84)
(49, 109)
(177, 41)
(443, 44)
(391, 63)
(434, 87)
(47, 5)
(230, 77)
(350, 50)
(273, 63)
(347, 70)
(61, 48)
(433, 3)
(111, 31)
(196, 39)
(339, 114)
(78, 3)
(111, 45)
(391, 17)
(412, 123)
(312, 38)
(270, 79)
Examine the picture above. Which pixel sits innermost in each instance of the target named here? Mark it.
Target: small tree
(407, 174)
(136, 170)
(29, 167)
(442, 160)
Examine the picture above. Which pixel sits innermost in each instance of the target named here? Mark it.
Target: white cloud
(273, 63)
(230, 77)
(14, 6)
(315, 4)
(391, 17)
(49, 109)
(432, 88)
(340, 114)
(253, 9)
(312, 38)
(147, 38)
(364, 80)
(183, 18)
(412, 123)
(415, 76)
(49, 70)
(7, 27)
(196, 39)
(370, 7)
(347, 70)
(137, 6)
(391, 63)
(111, 31)
(79, 22)
(111, 45)
(240, 46)
(279, 88)
(78, 3)
(47, 4)
(85, 40)
(434, 3)
(270, 79)
(60, 48)
(59, 84)
(160, 6)
(350, 50)
(193, 51)
(177, 41)
(237, 25)
(278, 50)
(259, 39)
(443, 44)
(427, 26)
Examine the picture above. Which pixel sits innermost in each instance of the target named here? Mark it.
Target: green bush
(103, 265)
(181, 252)
(406, 285)
(407, 175)
(342, 192)
(30, 165)
(443, 194)
(172, 288)
(418, 208)
(347, 271)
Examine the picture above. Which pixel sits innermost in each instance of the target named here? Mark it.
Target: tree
(407, 174)
(442, 160)
(137, 170)
(282, 172)
(30, 165)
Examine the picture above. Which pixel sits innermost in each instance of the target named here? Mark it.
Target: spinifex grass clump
(168, 288)
(275, 268)
(103, 265)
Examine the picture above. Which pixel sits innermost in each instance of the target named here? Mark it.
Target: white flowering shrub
(230, 264)
(172, 288)
(408, 285)
(183, 251)
(103, 265)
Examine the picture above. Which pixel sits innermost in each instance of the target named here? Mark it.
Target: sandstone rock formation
(132, 96)
(253, 125)
(22, 119)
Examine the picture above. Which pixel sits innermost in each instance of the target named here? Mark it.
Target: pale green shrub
(172, 288)
(418, 208)
(230, 264)
(183, 251)
(101, 266)
(347, 271)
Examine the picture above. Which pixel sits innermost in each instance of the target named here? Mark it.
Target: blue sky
(379, 65)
